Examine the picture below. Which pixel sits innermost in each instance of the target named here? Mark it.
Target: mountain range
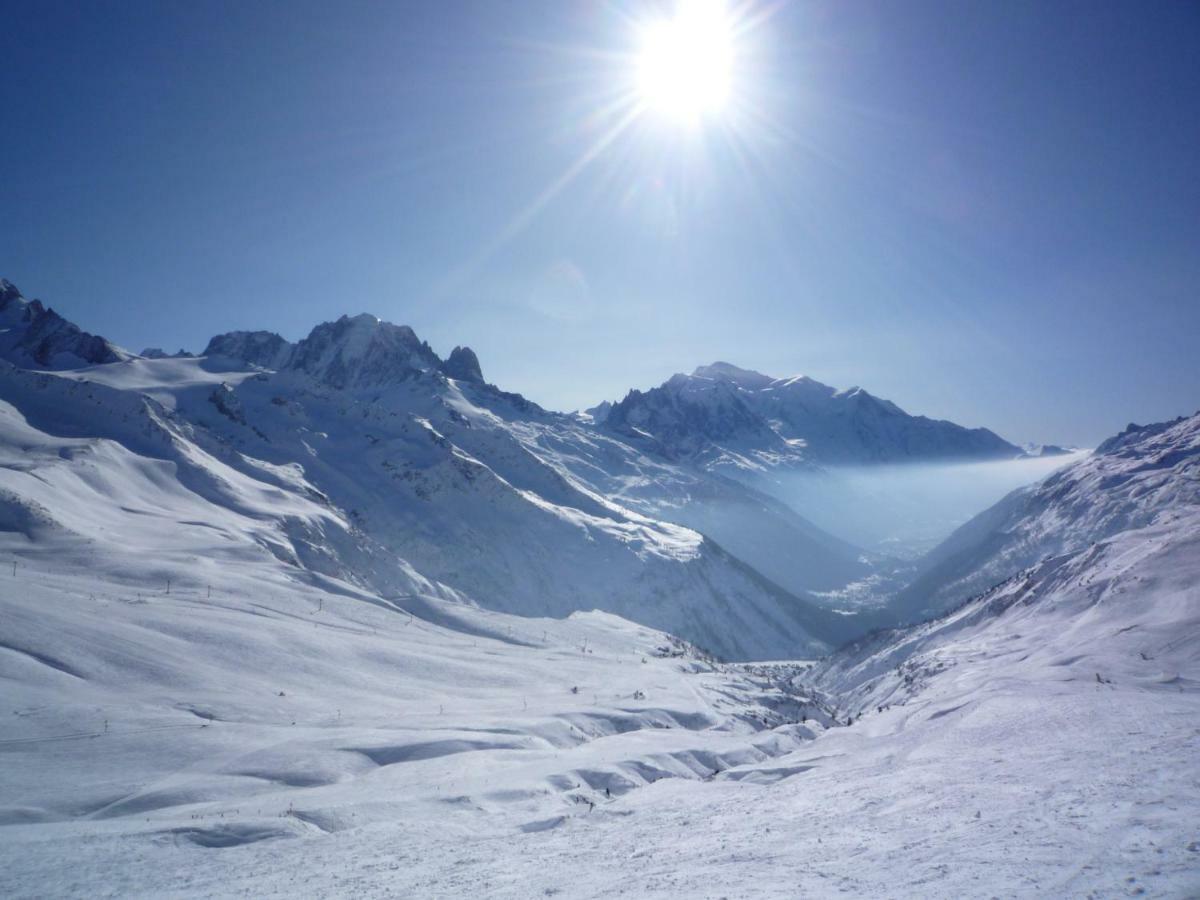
(392, 467)
(743, 422)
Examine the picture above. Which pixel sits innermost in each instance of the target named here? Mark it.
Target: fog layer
(906, 510)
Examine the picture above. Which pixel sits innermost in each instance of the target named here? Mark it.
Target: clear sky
(988, 212)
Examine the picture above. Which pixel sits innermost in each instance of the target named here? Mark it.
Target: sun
(685, 62)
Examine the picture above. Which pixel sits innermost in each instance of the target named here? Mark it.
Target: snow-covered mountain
(733, 419)
(257, 348)
(36, 337)
(1144, 475)
(1124, 610)
(353, 352)
(390, 464)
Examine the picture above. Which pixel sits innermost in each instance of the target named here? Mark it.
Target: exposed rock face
(353, 352)
(463, 364)
(160, 353)
(225, 399)
(690, 418)
(258, 348)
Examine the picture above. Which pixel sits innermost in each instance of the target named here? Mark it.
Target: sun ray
(525, 216)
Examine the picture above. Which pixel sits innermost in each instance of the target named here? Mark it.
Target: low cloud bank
(906, 510)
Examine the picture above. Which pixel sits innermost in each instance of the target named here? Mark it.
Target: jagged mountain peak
(693, 418)
(362, 351)
(34, 336)
(160, 353)
(463, 364)
(350, 352)
(13, 303)
(753, 380)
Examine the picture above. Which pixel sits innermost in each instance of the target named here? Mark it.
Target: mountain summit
(743, 378)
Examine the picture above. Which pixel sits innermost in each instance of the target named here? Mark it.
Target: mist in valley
(906, 510)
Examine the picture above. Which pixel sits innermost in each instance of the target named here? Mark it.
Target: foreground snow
(227, 719)
(278, 739)
(431, 762)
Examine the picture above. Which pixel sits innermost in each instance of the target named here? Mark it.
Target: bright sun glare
(685, 62)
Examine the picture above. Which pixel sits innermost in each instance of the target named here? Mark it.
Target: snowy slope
(1136, 479)
(746, 422)
(114, 473)
(220, 698)
(194, 661)
(1122, 612)
(752, 525)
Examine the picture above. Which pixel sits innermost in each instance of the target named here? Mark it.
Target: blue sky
(988, 212)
